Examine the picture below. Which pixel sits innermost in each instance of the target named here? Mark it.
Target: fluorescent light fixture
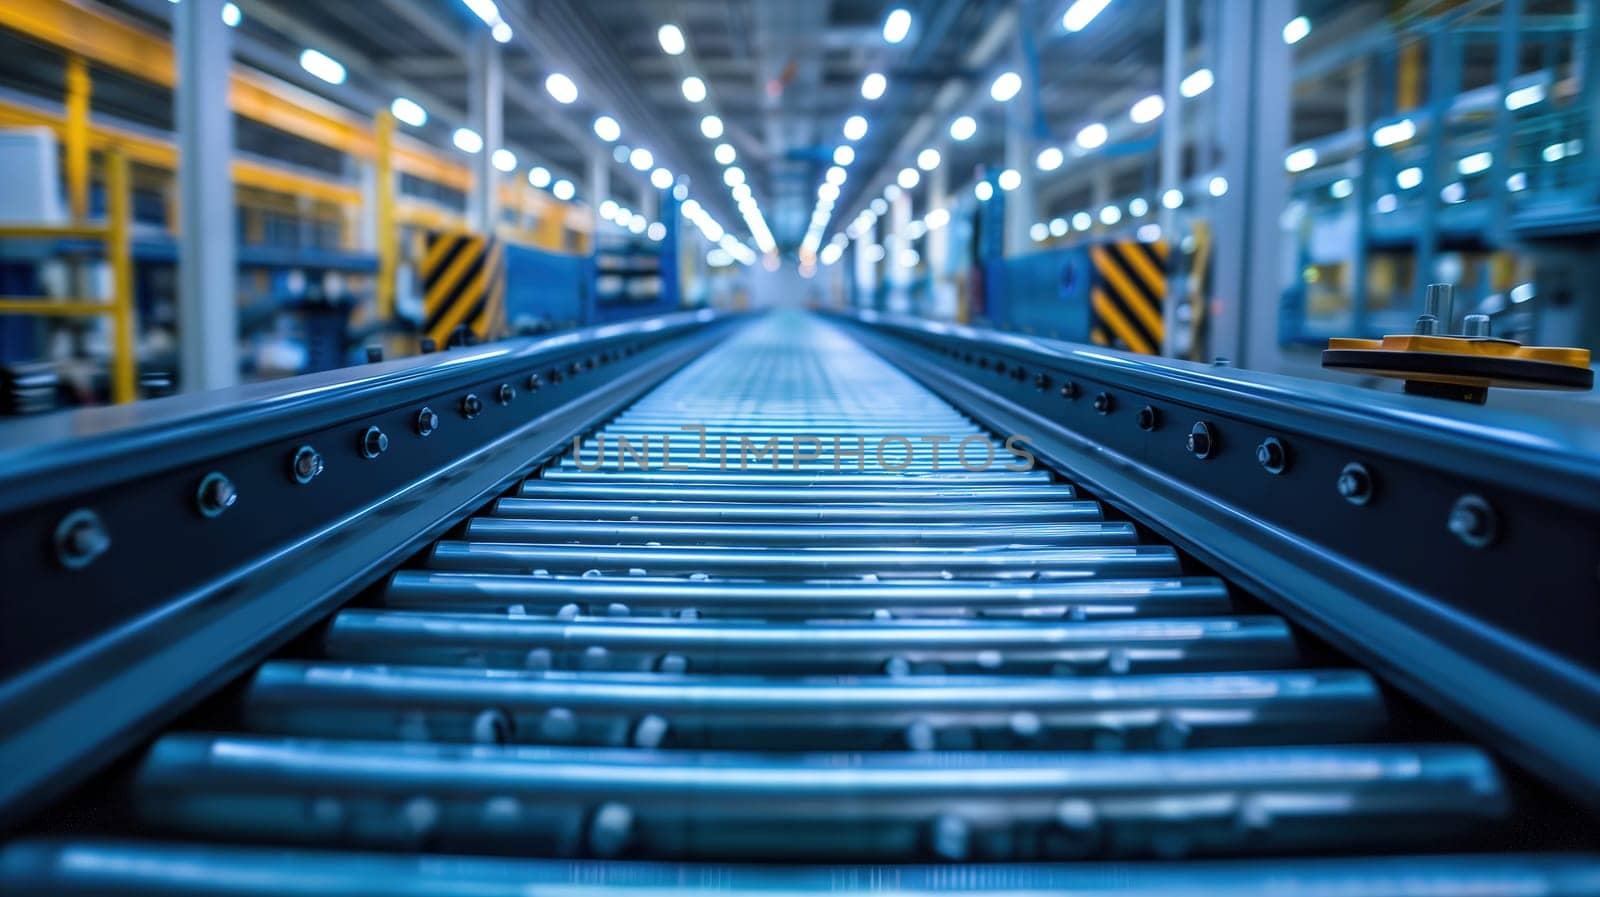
(1300, 159)
(963, 128)
(1110, 215)
(690, 209)
(671, 38)
(828, 192)
(733, 176)
(1394, 132)
(891, 192)
(1172, 198)
(835, 175)
(1196, 83)
(844, 154)
(231, 15)
(1010, 179)
(711, 127)
(539, 176)
(608, 209)
(983, 190)
(1523, 97)
(637, 224)
(694, 89)
(467, 140)
(562, 88)
(642, 159)
(831, 253)
(1148, 233)
(1296, 30)
(1138, 207)
(937, 218)
(607, 129)
(724, 154)
(1039, 232)
(661, 179)
(928, 159)
(908, 178)
(656, 231)
(322, 65)
(1092, 136)
(485, 10)
(896, 26)
(504, 160)
(1407, 178)
(564, 190)
(1475, 163)
(1517, 182)
(1386, 203)
(1049, 158)
(740, 192)
(1082, 221)
(1006, 86)
(1218, 186)
(1081, 13)
(501, 32)
(1148, 109)
(1342, 188)
(855, 127)
(408, 112)
(908, 258)
(1058, 227)
(1453, 192)
(873, 85)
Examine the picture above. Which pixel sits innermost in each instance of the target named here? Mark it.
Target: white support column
(941, 291)
(1171, 156)
(866, 275)
(1019, 214)
(485, 107)
(208, 328)
(599, 185)
(899, 298)
(1254, 113)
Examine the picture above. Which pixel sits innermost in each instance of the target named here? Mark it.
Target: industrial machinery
(794, 603)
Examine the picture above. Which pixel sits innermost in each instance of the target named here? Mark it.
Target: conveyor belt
(800, 661)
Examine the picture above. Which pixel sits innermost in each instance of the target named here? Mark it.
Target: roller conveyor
(612, 680)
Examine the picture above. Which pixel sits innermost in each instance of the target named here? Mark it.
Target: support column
(1254, 113)
(898, 299)
(866, 275)
(485, 105)
(208, 330)
(1171, 157)
(599, 185)
(941, 292)
(387, 237)
(1019, 157)
(77, 136)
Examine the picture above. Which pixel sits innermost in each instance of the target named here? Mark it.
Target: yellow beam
(388, 234)
(119, 251)
(36, 305)
(77, 136)
(53, 231)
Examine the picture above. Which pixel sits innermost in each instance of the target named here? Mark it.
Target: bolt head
(534, 383)
(307, 464)
(471, 406)
(1355, 484)
(1270, 454)
(216, 494)
(1147, 418)
(1069, 390)
(374, 442)
(1102, 403)
(505, 393)
(1200, 442)
(427, 421)
(1472, 521)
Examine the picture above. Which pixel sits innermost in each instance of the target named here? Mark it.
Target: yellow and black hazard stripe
(463, 285)
(1126, 295)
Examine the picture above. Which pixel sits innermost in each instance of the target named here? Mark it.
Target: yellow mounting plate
(1467, 365)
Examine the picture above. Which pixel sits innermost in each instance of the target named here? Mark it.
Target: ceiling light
(1082, 221)
(1453, 192)
(908, 178)
(928, 159)
(1525, 96)
(641, 159)
(1517, 181)
(891, 192)
(562, 88)
(1110, 215)
(409, 112)
(322, 65)
(501, 32)
(879, 206)
(963, 128)
(564, 190)
(855, 127)
(828, 192)
(983, 190)
(231, 15)
(937, 218)
(1394, 132)
(1010, 179)
(1408, 178)
(1039, 232)
(672, 42)
(1148, 109)
(711, 126)
(485, 10)
(467, 140)
(539, 176)
(608, 209)
(844, 155)
(1058, 227)
(1475, 163)
(1386, 203)
(636, 224)
(1197, 83)
(661, 178)
(724, 154)
(896, 26)
(1092, 136)
(607, 129)
(1149, 233)
(1081, 13)
(694, 89)
(1296, 30)
(656, 231)
(1341, 188)
(835, 175)
(504, 159)
(1300, 159)
(733, 177)
(1218, 186)
(873, 85)
(1138, 207)
(1006, 86)
(1172, 198)
(1049, 158)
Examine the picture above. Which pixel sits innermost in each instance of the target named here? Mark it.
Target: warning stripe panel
(1127, 292)
(463, 285)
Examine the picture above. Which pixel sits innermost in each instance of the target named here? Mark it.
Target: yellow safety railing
(114, 234)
